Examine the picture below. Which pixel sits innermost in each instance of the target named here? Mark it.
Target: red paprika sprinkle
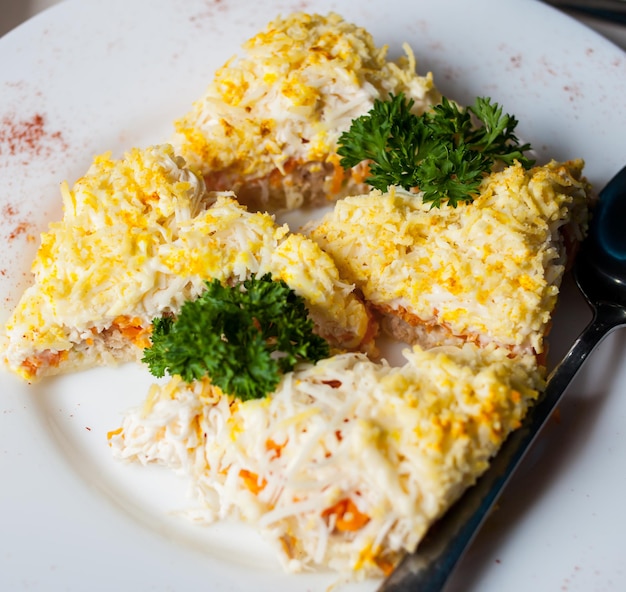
(21, 228)
(28, 137)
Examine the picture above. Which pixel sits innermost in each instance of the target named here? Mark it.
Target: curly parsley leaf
(243, 337)
(444, 153)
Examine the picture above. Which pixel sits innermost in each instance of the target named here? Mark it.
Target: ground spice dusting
(9, 212)
(29, 137)
(21, 228)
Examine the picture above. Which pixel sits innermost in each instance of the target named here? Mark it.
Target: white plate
(110, 75)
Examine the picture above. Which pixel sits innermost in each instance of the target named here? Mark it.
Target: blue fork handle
(429, 568)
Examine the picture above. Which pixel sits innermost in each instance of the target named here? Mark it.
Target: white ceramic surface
(88, 76)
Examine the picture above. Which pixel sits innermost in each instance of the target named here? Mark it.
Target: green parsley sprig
(445, 153)
(243, 337)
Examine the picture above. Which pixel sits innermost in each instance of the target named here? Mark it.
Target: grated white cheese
(269, 122)
(139, 237)
(348, 463)
(487, 271)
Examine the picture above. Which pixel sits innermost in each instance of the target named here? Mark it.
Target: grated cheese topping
(140, 236)
(286, 100)
(349, 462)
(488, 271)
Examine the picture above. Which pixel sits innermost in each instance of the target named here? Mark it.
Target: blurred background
(14, 12)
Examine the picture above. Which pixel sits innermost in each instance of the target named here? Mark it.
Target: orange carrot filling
(133, 330)
(385, 565)
(252, 481)
(46, 358)
(273, 446)
(338, 177)
(348, 518)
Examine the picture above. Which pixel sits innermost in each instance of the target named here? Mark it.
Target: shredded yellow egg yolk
(297, 86)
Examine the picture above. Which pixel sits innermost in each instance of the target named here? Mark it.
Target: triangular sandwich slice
(348, 463)
(486, 271)
(139, 236)
(268, 124)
